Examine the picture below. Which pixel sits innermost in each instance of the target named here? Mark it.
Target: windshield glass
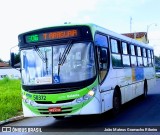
(52, 65)
(36, 70)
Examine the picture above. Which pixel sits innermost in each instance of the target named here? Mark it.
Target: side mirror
(15, 57)
(12, 60)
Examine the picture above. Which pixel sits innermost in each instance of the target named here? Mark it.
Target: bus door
(103, 60)
(101, 42)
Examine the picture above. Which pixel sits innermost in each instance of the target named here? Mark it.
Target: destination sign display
(52, 35)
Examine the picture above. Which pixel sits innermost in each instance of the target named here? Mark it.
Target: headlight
(86, 97)
(90, 94)
(24, 97)
(79, 100)
(28, 101)
(33, 103)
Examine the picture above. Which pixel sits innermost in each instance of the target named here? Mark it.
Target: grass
(10, 98)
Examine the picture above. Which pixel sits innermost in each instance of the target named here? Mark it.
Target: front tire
(145, 93)
(116, 103)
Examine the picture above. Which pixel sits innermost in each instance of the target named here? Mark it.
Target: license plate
(55, 109)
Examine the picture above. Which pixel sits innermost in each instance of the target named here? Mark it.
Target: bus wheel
(145, 93)
(58, 117)
(116, 103)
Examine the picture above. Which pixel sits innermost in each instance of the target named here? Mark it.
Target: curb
(11, 119)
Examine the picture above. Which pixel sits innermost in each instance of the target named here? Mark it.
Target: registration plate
(55, 109)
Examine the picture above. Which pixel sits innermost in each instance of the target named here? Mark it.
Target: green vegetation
(157, 76)
(157, 59)
(157, 63)
(10, 98)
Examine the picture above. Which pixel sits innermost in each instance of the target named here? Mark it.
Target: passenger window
(139, 58)
(149, 57)
(149, 62)
(152, 58)
(144, 57)
(125, 55)
(124, 48)
(116, 60)
(133, 57)
(116, 56)
(133, 50)
(140, 62)
(139, 51)
(133, 61)
(144, 52)
(149, 53)
(126, 60)
(114, 46)
(145, 61)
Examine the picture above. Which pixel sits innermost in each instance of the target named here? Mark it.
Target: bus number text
(39, 97)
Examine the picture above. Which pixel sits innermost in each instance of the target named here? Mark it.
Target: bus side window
(125, 55)
(139, 57)
(144, 57)
(133, 56)
(152, 56)
(116, 53)
(149, 58)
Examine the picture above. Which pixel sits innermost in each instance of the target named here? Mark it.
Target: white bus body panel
(27, 112)
(129, 87)
(93, 107)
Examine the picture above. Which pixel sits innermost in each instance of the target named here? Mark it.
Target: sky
(19, 16)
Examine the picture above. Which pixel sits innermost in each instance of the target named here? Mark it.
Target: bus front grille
(58, 102)
(44, 90)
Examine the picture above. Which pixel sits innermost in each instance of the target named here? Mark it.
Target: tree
(15, 59)
(1, 60)
(157, 63)
(157, 60)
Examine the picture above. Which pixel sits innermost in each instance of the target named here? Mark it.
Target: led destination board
(52, 35)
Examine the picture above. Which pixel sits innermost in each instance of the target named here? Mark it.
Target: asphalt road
(138, 112)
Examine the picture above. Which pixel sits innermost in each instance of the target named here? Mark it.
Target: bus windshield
(52, 65)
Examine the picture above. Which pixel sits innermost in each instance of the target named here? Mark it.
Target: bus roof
(119, 36)
(95, 28)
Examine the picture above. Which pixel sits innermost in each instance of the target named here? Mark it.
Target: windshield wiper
(43, 58)
(62, 58)
(40, 54)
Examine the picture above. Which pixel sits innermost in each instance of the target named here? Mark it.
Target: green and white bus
(81, 69)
